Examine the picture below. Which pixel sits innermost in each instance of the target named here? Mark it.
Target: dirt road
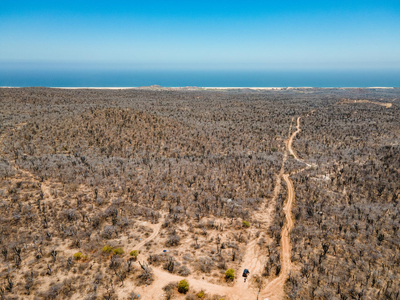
(275, 289)
(156, 229)
(347, 101)
(290, 144)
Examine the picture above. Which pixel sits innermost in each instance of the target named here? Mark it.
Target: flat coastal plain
(171, 193)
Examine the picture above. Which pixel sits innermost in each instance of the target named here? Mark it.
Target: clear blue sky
(201, 34)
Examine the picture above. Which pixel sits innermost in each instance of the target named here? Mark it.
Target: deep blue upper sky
(201, 34)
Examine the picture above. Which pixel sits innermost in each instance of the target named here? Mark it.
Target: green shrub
(78, 255)
(118, 251)
(230, 274)
(183, 286)
(134, 253)
(201, 294)
(107, 249)
(246, 224)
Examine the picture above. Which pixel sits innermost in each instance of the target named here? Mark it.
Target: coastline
(199, 88)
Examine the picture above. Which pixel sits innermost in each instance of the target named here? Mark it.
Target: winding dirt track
(156, 230)
(275, 289)
(290, 141)
(347, 101)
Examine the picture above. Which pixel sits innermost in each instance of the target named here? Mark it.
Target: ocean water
(212, 78)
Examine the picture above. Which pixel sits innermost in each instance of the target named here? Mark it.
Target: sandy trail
(275, 289)
(156, 229)
(347, 101)
(290, 143)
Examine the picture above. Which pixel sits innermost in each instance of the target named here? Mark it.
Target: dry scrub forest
(123, 194)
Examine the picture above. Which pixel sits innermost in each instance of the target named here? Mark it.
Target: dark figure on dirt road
(245, 274)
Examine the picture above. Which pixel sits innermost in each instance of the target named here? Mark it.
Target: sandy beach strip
(200, 88)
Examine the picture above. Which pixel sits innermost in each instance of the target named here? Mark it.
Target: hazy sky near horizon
(201, 34)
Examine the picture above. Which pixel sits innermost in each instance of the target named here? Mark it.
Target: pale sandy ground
(218, 88)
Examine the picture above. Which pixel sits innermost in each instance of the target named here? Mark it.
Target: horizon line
(201, 87)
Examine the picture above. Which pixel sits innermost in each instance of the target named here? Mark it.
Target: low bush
(170, 286)
(134, 253)
(246, 224)
(201, 295)
(183, 286)
(107, 249)
(230, 274)
(118, 251)
(183, 271)
(78, 256)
